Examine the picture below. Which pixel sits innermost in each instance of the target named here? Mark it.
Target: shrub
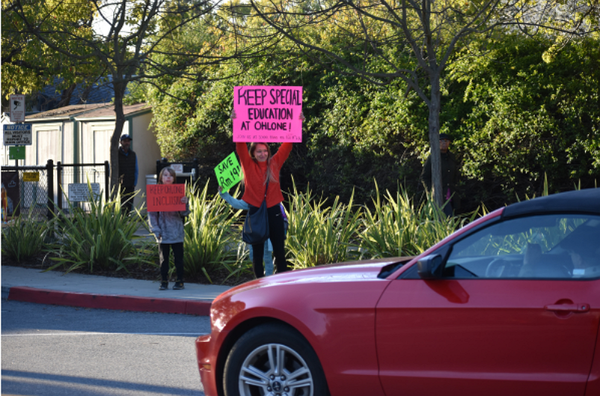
(397, 228)
(212, 238)
(26, 237)
(320, 234)
(101, 239)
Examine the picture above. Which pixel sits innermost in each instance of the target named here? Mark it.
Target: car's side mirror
(429, 267)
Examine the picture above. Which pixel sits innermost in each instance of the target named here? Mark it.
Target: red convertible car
(508, 305)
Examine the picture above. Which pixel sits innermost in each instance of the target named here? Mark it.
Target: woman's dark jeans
(277, 236)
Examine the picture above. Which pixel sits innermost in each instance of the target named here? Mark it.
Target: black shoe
(164, 286)
(178, 285)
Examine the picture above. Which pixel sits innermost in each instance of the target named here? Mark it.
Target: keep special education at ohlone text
(283, 96)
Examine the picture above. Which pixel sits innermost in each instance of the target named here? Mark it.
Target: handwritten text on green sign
(229, 172)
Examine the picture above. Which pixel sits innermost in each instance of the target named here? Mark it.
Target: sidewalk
(91, 291)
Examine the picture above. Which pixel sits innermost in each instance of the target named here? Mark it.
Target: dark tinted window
(535, 247)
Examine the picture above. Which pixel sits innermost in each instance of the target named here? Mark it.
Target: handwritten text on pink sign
(267, 114)
(165, 197)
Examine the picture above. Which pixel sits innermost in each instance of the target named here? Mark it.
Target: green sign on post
(16, 152)
(229, 172)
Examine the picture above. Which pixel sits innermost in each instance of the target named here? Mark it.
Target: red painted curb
(124, 303)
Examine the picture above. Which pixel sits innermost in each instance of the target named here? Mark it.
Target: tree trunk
(115, 138)
(434, 138)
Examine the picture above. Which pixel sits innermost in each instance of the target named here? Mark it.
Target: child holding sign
(167, 227)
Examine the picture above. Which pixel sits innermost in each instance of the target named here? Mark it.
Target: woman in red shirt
(259, 165)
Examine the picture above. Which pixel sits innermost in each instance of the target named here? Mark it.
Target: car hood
(353, 271)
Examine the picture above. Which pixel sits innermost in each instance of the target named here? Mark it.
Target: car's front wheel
(273, 359)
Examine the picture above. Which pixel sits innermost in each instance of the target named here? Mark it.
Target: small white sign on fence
(178, 168)
(80, 192)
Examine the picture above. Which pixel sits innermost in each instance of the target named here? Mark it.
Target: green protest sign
(229, 172)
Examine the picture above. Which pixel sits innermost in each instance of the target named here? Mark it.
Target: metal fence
(37, 189)
(28, 189)
(188, 174)
(81, 175)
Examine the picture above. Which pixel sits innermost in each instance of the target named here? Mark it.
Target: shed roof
(109, 112)
(65, 112)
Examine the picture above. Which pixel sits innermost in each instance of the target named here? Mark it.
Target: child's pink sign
(165, 197)
(267, 114)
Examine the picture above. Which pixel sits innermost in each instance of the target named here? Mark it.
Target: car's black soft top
(581, 201)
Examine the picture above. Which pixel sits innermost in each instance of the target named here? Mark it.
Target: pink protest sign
(267, 114)
(165, 197)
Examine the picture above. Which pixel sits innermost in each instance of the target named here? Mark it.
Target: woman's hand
(220, 189)
(184, 199)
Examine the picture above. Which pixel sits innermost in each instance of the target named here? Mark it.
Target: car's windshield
(517, 247)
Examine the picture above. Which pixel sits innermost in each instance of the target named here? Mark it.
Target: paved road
(57, 350)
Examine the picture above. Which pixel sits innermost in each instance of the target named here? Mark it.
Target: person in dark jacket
(128, 173)
(450, 175)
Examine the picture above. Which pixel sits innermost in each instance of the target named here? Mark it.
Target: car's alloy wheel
(273, 360)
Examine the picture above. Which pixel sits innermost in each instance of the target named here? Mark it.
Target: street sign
(17, 108)
(16, 153)
(17, 134)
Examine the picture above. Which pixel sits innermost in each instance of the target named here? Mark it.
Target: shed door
(48, 145)
(96, 149)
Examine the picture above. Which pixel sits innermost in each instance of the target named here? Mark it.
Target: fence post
(161, 163)
(106, 180)
(196, 173)
(21, 203)
(50, 175)
(59, 182)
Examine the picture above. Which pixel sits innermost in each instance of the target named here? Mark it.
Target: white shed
(80, 134)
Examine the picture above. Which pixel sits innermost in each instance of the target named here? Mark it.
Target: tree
(129, 40)
(410, 40)
(515, 119)
(524, 120)
(29, 64)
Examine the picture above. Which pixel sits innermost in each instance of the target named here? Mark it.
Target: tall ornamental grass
(101, 239)
(320, 234)
(212, 238)
(26, 237)
(397, 227)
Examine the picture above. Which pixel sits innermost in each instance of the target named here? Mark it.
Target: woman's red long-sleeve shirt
(255, 174)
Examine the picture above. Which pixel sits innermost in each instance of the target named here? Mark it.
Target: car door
(496, 321)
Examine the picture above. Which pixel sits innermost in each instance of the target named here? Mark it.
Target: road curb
(114, 302)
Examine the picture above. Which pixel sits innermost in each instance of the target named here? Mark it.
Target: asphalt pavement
(91, 291)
